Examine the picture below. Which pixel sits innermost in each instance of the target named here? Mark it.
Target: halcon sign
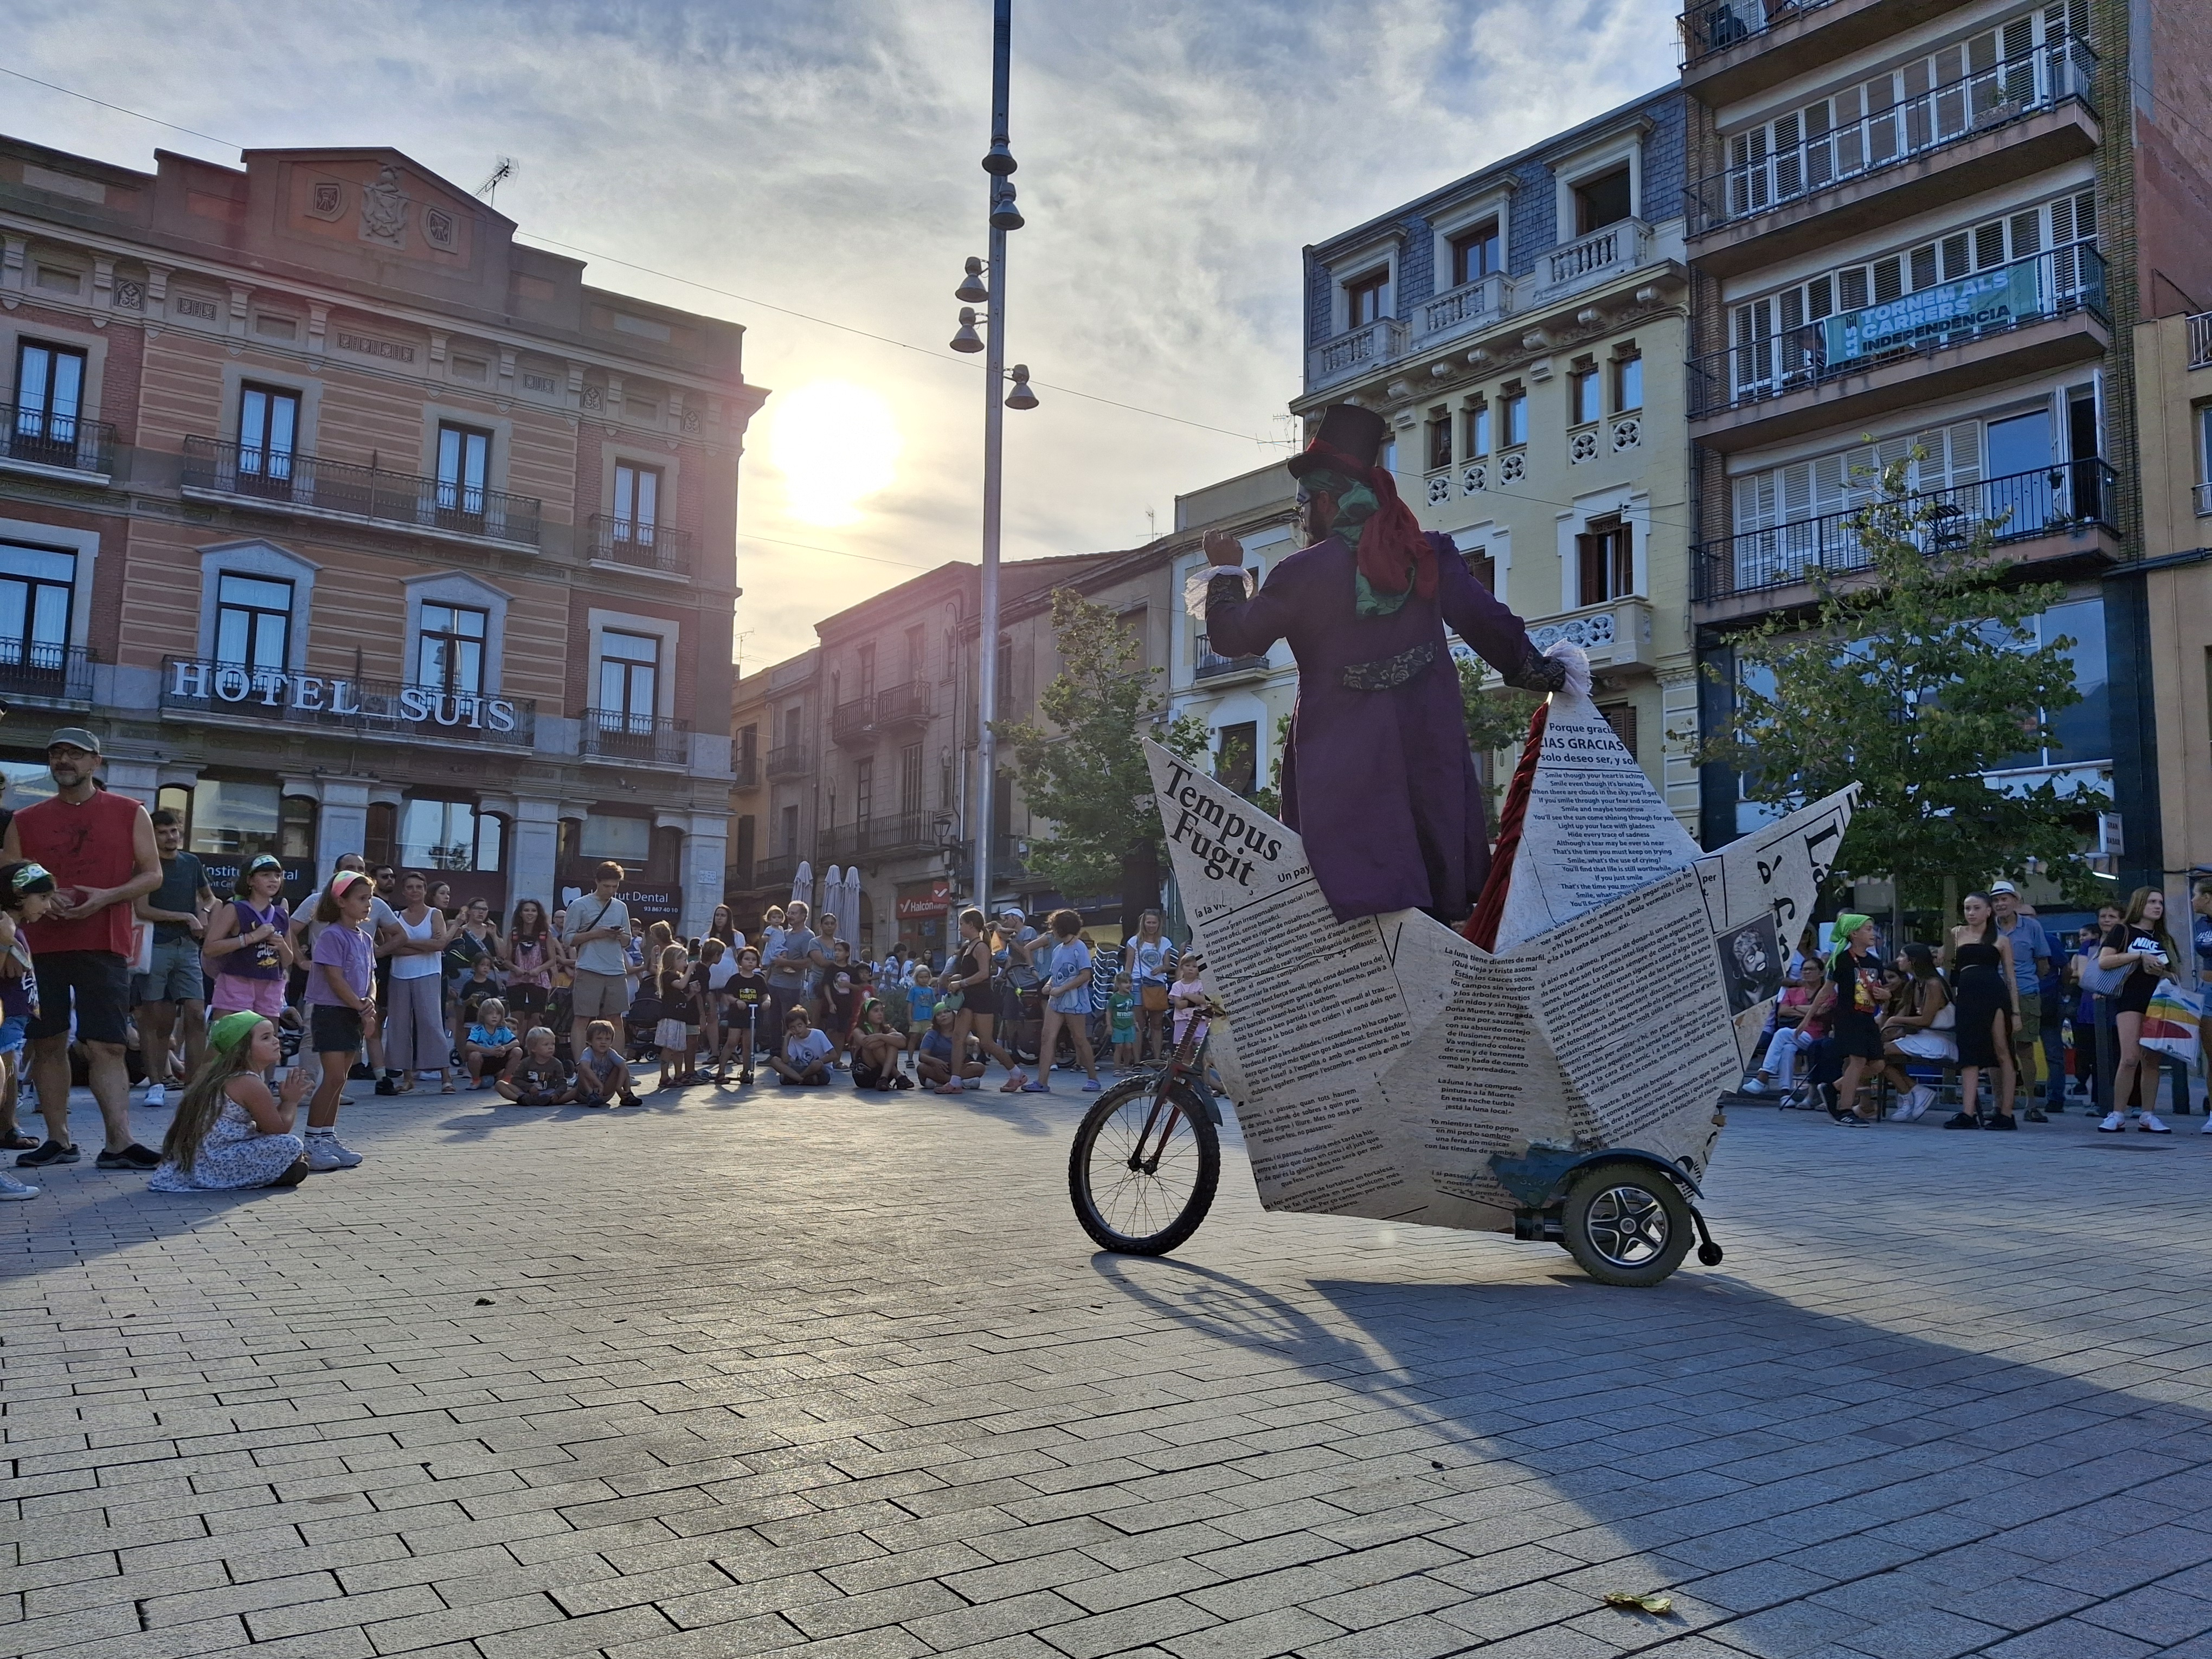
(249, 689)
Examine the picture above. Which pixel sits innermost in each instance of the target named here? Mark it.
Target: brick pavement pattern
(744, 1373)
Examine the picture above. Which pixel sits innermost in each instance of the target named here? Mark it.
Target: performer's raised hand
(1224, 548)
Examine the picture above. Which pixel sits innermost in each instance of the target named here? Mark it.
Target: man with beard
(1377, 777)
(101, 850)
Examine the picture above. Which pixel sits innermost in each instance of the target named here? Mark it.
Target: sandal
(17, 1141)
(445, 1086)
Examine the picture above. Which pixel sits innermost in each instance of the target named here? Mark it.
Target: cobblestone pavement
(752, 1372)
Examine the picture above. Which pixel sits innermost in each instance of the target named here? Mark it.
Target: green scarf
(1355, 507)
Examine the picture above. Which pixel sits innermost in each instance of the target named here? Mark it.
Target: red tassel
(1490, 909)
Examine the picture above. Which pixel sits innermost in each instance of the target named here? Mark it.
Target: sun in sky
(836, 444)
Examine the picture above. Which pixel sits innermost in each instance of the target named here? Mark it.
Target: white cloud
(822, 156)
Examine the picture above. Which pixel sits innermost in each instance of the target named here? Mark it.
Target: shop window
(37, 585)
(234, 820)
(252, 621)
(296, 828)
(449, 834)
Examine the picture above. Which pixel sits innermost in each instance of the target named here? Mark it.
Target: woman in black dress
(2142, 945)
(1980, 961)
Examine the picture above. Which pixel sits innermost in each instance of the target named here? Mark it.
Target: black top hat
(1354, 432)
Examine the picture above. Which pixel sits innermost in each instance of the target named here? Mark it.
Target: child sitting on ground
(535, 1075)
(877, 1046)
(490, 1041)
(805, 1057)
(231, 1129)
(602, 1074)
(933, 1063)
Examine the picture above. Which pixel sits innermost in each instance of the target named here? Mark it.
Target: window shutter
(1955, 263)
(1820, 298)
(2026, 235)
(1924, 267)
(1888, 278)
(1851, 288)
(1621, 717)
(1828, 493)
(1989, 245)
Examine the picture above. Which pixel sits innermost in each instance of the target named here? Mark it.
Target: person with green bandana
(232, 1130)
(1377, 777)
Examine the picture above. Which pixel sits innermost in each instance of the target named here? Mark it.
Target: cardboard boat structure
(1392, 1067)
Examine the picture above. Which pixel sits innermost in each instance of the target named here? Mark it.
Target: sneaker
(387, 1085)
(2151, 1126)
(1852, 1120)
(1090, 1087)
(1752, 1086)
(2114, 1124)
(133, 1156)
(1962, 1120)
(1917, 1102)
(2034, 1114)
(2002, 1121)
(156, 1097)
(49, 1151)
(2206, 1129)
(361, 1071)
(329, 1147)
(13, 1191)
(1037, 1086)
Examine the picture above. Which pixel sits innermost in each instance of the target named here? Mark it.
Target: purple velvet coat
(1380, 783)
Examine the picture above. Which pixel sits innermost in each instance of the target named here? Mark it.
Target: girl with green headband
(26, 889)
(231, 1130)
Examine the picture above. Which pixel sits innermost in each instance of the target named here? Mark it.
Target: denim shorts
(15, 1032)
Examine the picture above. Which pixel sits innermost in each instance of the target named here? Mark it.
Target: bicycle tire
(1137, 1199)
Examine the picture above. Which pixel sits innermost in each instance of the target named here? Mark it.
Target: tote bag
(2170, 1022)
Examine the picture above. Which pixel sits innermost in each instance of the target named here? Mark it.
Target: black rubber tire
(1626, 1224)
(1169, 1211)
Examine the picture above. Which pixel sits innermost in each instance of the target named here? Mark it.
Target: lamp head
(1005, 216)
(1021, 396)
(967, 339)
(1001, 162)
(971, 287)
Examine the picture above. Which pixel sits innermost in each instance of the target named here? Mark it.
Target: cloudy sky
(820, 155)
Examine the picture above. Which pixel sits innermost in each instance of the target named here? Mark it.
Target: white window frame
(1495, 202)
(1346, 268)
(457, 587)
(1600, 155)
(258, 558)
(1633, 509)
(669, 632)
(85, 543)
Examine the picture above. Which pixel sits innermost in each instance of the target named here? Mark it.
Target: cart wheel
(1141, 1174)
(1627, 1224)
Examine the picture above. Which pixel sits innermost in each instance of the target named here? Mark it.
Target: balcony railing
(370, 493)
(903, 706)
(382, 708)
(880, 838)
(777, 871)
(1716, 25)
(2200, 339)
(744, 768)
(1949, 115)
(642, 546)
(1212, 665)
(33, 672)
(1993, 301)
(788, 760)
(1463, 309)
(2204, 500)
(1587, 260)
(2069, 495)
(69, 441)
(617, 734)
(1354, 350)
(853, 725)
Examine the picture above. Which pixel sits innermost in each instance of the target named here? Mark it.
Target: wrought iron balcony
(744, 768)
(1993, 301)
(2069, 496)
(404, 712)
(898, 834)
(68, 441)
(617, 734)
(903, 706)
(788, 760)
(642, 546)
(33, 672)
(2200, 339)
(310, 484)
(1763, 179)
(778, 870)
(853, 725)
(1212, 665)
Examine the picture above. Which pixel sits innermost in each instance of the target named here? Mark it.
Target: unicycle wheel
(1143, 1168)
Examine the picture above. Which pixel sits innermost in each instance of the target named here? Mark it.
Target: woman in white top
(415, 1034)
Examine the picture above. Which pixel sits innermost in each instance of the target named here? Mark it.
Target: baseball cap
(1997, 887)
(77, 738)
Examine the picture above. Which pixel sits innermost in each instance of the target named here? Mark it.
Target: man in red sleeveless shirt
(101, 850)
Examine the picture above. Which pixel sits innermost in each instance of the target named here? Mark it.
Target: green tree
(1497, 718)
(1082, 766)
(1918, 675)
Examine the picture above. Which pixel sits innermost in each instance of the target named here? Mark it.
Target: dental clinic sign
(2003, 298)
(398, 710)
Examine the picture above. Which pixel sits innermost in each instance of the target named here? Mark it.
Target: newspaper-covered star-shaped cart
(1563, 1085)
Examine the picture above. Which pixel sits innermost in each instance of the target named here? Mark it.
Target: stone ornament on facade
(1591, 633)
(326, 199)
(1439, 490)
(128, 296)
(1474, 479)
(594, 398)
(384, 209)
(1512, 469)
(1627, 434)
(1584, 448)
(691, 420)
(440, 230)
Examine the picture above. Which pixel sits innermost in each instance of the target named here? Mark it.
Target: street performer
(1377, 776)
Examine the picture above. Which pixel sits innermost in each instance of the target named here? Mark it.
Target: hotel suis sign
(313, 697)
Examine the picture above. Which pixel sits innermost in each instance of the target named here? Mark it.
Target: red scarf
(1390, 548)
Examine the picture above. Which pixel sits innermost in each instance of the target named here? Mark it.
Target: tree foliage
(1497, 718)
(1083, 764)
(1919, 675)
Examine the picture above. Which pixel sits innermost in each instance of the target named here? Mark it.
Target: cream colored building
(2173, 417)
(1523, 329)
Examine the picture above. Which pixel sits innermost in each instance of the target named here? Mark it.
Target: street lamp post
(1004, 217)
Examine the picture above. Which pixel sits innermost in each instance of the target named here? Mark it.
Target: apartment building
(1523, 329)
(2173, 405)
(1922, 231)
(351, 524)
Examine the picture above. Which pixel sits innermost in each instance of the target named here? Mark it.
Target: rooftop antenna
(502, 170)
(1152, 525)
